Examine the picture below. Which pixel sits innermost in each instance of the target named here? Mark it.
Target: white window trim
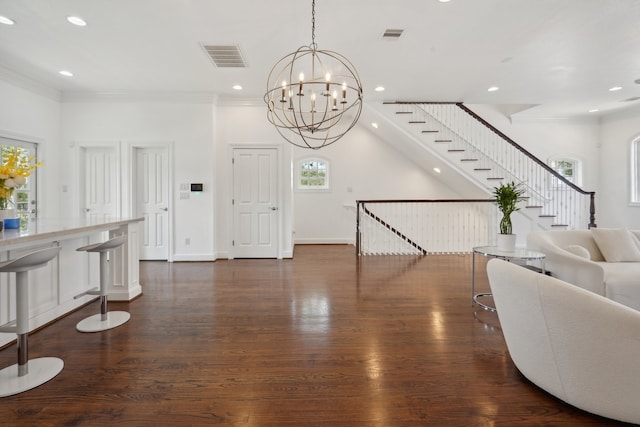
(634, 172)
(324, 189)
(577, 169)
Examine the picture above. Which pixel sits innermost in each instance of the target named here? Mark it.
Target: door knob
(273, 208)
(164, 209)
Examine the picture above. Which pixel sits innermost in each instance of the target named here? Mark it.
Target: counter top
(46, 228)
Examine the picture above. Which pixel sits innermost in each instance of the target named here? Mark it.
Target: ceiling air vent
(225, 56)
(392, 34)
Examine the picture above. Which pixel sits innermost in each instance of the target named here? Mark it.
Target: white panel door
(152, 201)
(255, 206)
(101, 181)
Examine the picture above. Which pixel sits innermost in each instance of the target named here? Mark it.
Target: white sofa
(576, 256)
(580, 347)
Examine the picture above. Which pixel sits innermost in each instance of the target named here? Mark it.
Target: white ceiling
(562, 55)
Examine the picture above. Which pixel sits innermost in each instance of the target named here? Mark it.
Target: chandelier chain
(313, 22)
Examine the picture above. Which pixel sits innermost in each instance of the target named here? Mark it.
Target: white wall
(362, 167)
(549, 137)
(247, 126)
(616, 133)
(187, 125)
(35, 117)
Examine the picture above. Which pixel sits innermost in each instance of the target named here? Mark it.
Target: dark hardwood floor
(324, 339)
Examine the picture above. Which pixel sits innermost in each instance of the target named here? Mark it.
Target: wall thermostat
(196, 187)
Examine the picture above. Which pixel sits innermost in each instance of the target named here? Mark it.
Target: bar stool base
(41, 370)
(95, 324)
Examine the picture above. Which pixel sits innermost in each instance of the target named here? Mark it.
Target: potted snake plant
(507, 197)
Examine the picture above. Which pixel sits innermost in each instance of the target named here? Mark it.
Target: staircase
(487, 157)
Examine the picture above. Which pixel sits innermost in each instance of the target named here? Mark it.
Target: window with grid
(313, 174)
(568, 168)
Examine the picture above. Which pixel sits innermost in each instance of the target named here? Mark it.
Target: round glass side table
(518, 254)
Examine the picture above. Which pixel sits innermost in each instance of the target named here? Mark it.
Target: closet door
(101, 182)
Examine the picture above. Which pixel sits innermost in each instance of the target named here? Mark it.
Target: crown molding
(29, 84)
(168, 97)
(228, 101)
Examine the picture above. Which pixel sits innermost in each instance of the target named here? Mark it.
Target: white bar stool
(105, 319)
(26, 374)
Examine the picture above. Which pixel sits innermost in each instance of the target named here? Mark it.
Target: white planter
(506, 242)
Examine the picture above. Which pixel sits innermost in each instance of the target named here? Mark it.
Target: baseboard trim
(193, 257)
(325, 241)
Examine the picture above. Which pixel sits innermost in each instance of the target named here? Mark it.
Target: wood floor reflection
(325, 339)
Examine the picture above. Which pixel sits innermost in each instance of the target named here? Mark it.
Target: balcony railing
(420, 227)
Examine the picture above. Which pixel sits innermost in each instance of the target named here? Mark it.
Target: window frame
(298, 175)
(634, 172)
(576, 179)
(31, 186)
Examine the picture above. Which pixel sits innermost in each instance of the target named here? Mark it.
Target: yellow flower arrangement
(14, 171)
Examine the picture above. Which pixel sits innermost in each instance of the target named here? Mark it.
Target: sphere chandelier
(314, 97)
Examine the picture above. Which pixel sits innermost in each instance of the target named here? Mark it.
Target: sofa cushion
(622, 282)
(578, 250)
(616, 244)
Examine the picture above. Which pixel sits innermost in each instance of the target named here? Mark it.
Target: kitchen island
(53, 287)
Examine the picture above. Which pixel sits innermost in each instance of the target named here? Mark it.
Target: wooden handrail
(592, 208)
(426, 201)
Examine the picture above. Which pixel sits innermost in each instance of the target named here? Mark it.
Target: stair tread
(416, 121)
(482, 169)
(559, 225)
(468, 160)
(494, 178)
(534, 206)
(442, 140)
(404, 112)
(455, 150)
(430, 131)
(547, 216)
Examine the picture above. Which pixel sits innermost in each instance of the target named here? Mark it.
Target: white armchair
(579, 346)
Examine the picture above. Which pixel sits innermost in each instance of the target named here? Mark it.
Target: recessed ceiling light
(379, 88)
(493, 89)
(6, 21)
(76, 20)
(615, 88)
(444, 1)
(375, 125)
(437, 170)
(237, 87)
(66, 73)
(594, 110)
